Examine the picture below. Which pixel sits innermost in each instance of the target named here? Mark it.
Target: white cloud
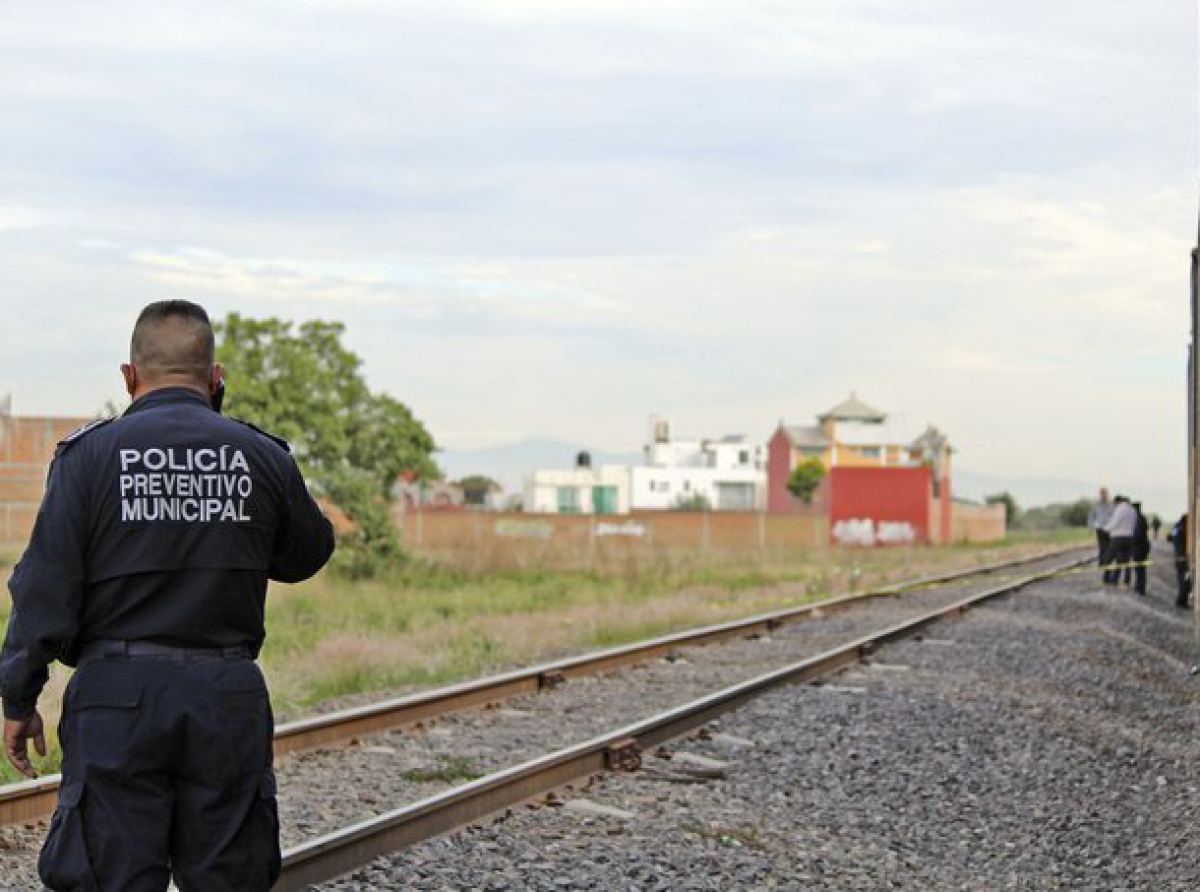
(267, 280)
(559, 217)
(406, 287)
(22, 218)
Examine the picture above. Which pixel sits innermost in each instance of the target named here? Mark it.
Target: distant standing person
(1101, 511)
(1141, 551)
(1121, 526)
(1155, 526)
(1183, 571)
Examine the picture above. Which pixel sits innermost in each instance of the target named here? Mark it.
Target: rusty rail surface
(32, 800)
(338, 853)
(348, 724)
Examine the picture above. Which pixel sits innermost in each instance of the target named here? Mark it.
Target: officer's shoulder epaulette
(287, 447)
(79, 433)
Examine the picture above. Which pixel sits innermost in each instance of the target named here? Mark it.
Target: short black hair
(173, 337)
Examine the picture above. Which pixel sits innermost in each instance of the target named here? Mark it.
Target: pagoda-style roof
(806, 435)
(853, 409)
(932, 441)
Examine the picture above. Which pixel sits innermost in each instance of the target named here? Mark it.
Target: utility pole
(1193, 544)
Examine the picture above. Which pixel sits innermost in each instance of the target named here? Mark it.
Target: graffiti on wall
(523, 529)
(629, 528)
(864, 531)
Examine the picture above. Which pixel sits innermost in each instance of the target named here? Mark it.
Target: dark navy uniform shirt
(163, 525)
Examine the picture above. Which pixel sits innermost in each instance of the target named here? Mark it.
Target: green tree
(302, 384)
(477, 487)
(696, 501)
(1076, 514)
(805, 478)
(1011, 511)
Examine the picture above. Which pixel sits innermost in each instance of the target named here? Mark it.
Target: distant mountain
(1033, 491)
(510, 463)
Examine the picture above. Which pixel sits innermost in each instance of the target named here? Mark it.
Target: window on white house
(568, 500)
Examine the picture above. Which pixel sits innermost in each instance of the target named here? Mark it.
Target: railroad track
(345, 850)
(34, 800)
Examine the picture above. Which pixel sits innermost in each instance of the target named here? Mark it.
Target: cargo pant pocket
(64, 864)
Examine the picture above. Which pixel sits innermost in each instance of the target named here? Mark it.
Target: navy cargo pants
(166, 771)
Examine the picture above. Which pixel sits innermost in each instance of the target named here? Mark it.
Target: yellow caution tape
(1091, 568)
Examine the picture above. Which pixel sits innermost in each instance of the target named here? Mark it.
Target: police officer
(1183, 575)
(1141, 551)
(147, 569)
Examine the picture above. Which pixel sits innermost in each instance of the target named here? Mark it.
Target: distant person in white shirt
(1120, 527)
(1101, 511)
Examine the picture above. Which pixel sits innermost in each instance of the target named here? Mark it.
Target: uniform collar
(164, 396)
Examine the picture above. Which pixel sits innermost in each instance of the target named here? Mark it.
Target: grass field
(332, 642)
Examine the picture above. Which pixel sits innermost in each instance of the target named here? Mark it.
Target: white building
(580, 490)
(723, 475)
(727, 474)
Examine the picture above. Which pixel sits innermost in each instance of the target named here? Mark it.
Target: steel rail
(340, 852)
(31, 800)
(347, 724)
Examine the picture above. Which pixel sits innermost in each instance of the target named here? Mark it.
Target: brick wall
(978, 523)
(26, 448)
(483, 540)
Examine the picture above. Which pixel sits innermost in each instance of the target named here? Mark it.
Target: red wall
(900, 495)
(947, 533)
(779, 466)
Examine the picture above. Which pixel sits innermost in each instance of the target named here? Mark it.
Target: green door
(604, 500)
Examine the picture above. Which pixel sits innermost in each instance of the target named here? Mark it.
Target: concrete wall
(26, 448)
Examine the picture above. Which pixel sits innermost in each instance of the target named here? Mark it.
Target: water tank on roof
(583, 460)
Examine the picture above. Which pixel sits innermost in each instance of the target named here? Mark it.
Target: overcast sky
(556, 218)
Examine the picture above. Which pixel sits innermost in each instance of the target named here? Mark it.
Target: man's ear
(129, 373)
(216, 383)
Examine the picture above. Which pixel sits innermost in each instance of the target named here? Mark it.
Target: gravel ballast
(323, 790)
(676, 832)
(1045, 741)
